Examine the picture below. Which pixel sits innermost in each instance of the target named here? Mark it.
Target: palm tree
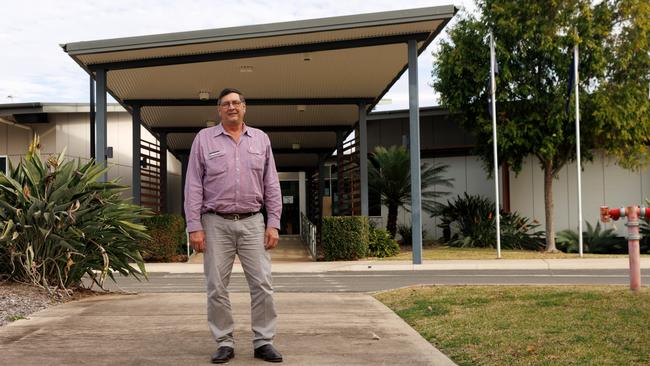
(389, 177)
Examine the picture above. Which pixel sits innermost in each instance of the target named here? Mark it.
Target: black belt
(234, 216)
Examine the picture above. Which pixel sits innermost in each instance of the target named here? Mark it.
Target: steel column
(163, 172)
(100, 122)
(92, 117)
(135, 170)
(184, 162)
(414, 143)
(363, 158)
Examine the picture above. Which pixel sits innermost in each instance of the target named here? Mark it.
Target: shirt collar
(218, 130)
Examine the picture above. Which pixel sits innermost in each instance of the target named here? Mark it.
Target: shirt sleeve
(272, 192)
(194, 187)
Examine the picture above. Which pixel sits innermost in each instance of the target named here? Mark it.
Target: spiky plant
(58, 223)
(389, 176)
(596, 240)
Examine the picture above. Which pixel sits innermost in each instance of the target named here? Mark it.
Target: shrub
(345, 237)
(380, 243)
(518, 232)
(168, 238)
(57, 223)
(406, 232)
(471, 220)
(467, 218)
(595, 240)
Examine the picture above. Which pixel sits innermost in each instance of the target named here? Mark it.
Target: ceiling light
(301, 108)
(210, 123)
(295, 146)
(306, 57)
(245, 68)
(204, 95)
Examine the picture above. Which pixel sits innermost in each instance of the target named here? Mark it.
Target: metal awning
(303, 80)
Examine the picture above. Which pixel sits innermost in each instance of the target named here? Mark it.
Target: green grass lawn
(446, 253)
(530, 325)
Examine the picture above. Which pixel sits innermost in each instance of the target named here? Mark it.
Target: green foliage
(594, 239)
(468, 217)
(345, 237)
(381, 244)
(471, 220)
(519, 232)
(58, 223)
(406, 232)
(168, 239)
(534, 44)
(389, 177)
(620, 107)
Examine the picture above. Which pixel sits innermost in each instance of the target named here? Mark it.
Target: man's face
(232, 109)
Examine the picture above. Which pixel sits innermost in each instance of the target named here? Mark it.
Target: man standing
(230, 175)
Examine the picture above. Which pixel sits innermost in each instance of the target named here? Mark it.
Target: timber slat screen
(314, 213)
(349, 200)
(150, 175)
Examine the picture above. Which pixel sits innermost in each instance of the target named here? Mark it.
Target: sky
(34, 68)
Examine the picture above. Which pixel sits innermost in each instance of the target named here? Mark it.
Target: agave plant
(596, 240)
(58, 223)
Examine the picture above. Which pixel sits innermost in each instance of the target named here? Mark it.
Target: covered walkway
(308, 85)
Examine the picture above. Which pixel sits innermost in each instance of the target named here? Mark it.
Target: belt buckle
(235, 217)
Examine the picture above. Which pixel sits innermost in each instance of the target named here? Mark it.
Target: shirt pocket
(256, 158)
(216, 163)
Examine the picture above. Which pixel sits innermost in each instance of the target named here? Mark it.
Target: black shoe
(223, 354)
(268, 353)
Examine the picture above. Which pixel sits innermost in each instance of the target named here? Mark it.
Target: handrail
(308, 234)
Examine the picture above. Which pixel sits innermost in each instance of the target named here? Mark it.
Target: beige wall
(13, 142)
(468, 175)
(72, 131)
(603, 182)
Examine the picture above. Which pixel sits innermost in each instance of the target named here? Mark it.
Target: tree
(534, 46)
(389, 176)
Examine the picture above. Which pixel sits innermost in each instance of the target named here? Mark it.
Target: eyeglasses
(234, 104)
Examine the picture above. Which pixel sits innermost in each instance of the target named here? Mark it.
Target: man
(230, 175)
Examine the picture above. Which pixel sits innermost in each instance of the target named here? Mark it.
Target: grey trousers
(223, 239)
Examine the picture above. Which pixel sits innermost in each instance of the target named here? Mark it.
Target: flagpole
(578, 160)
(494, 142)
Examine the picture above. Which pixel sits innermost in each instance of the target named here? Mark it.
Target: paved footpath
(171, 329)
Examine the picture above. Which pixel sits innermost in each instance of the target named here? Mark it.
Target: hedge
(345, 237)
(168, 238)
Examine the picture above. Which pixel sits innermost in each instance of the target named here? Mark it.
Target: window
(4, 164)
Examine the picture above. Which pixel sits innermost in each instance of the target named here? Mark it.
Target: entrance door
(290, 220)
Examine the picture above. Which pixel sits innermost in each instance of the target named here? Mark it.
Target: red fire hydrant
(633, 236)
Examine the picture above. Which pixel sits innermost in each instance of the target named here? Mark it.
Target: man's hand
(197, 240)
(271, 238)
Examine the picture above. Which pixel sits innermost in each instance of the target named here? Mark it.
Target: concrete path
(171, 329)
(427, 265)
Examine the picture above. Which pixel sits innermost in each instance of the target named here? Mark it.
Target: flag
(489, 85)
(570, 84)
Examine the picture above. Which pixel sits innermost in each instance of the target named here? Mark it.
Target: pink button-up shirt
(229, 177)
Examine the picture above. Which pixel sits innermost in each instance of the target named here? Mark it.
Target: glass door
(290, 220)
